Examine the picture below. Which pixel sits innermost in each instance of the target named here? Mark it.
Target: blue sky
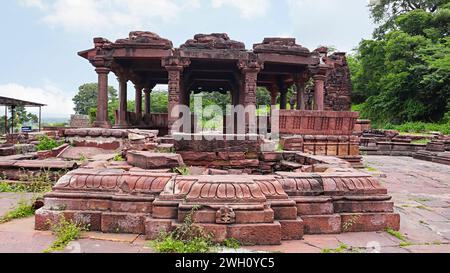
(41, 38)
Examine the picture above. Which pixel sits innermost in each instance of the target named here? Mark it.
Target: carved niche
(225, 215)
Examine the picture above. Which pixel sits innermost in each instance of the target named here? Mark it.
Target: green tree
(86, 98)
(404, 75)
(385, 12)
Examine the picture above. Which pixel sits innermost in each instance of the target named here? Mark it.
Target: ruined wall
(338, 86)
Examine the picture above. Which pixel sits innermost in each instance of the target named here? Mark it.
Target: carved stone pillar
(174, 66)
(102, 98)
(300, 84)
(122, 111)
(283, 95)
(273, 94)
(147, 101)
(138, 103)
(319, 92)
(174, 93)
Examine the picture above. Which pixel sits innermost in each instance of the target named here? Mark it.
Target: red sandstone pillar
(319, 92)
(122, 113)
(147, 102)
(174, 93)
(138, 103)
(102, 98)
(283, 98)
(300, 86)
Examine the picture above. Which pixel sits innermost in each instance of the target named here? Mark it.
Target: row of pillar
(300, 85)
(246, 97)
(102, 100)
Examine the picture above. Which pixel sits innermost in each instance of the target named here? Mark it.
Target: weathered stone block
(259, 234)
(322, 224)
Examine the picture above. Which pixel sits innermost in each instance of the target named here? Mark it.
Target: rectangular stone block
(131, 207)
(292, 229)
(113, 222)
(363, 206)
(314, 208)
(258, 216)
(368, 222)
(256, 234)
(285, 213)
(154, 227)
(322, 224)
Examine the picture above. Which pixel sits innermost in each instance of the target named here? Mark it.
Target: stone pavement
(420, 189)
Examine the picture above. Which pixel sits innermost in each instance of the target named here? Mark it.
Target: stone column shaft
(174, 94)
(102, 98)
(138, 103)
(123, 108)
(319, 92)
(147, 101)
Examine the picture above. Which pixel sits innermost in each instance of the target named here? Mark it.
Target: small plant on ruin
(83, 158)
(343, 248)
(118, 158)
(46, 143)
(186, 238)
(9, 187)
(40, 182)
(398, 235)
(23, 209)
(346, 226)
(65, 231)
(231, 243)
(182, 170)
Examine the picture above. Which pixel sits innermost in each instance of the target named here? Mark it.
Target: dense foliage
(403, 74)
(86, 98)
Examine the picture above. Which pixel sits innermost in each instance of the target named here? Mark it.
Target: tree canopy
(86, 98)
(404, 75)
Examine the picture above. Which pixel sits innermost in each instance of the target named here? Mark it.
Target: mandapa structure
(214, 62)
(240, 185)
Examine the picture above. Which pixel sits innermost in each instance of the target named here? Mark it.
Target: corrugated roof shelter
(13, 103)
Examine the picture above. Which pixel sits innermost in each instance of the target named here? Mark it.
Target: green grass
(118, 158)
(65, 231)
(342, 248)
(417, 127)
(421, 141)
(422, 207)
(8, 187)
(182, 170)
(403, 240)
(46, 143)
(23, 209)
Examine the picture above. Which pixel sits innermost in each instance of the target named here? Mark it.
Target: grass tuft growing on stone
(403, 241)
(65, 231)
(21, 210)
(342, 248)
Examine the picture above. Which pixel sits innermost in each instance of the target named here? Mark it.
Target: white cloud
(59, 103)
(107, 15)
(247, 8)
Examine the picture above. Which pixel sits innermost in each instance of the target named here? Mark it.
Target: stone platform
(255, 209)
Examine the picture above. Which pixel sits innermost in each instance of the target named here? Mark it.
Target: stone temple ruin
(243, 186)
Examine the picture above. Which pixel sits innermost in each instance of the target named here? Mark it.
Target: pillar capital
(175, 63)
(102, 70)
(319, 77)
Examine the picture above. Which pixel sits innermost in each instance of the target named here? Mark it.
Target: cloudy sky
(41, 38)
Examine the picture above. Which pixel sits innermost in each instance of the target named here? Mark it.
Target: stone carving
(225, 215)
(147, 38)
(213, 41)
(280, 46)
